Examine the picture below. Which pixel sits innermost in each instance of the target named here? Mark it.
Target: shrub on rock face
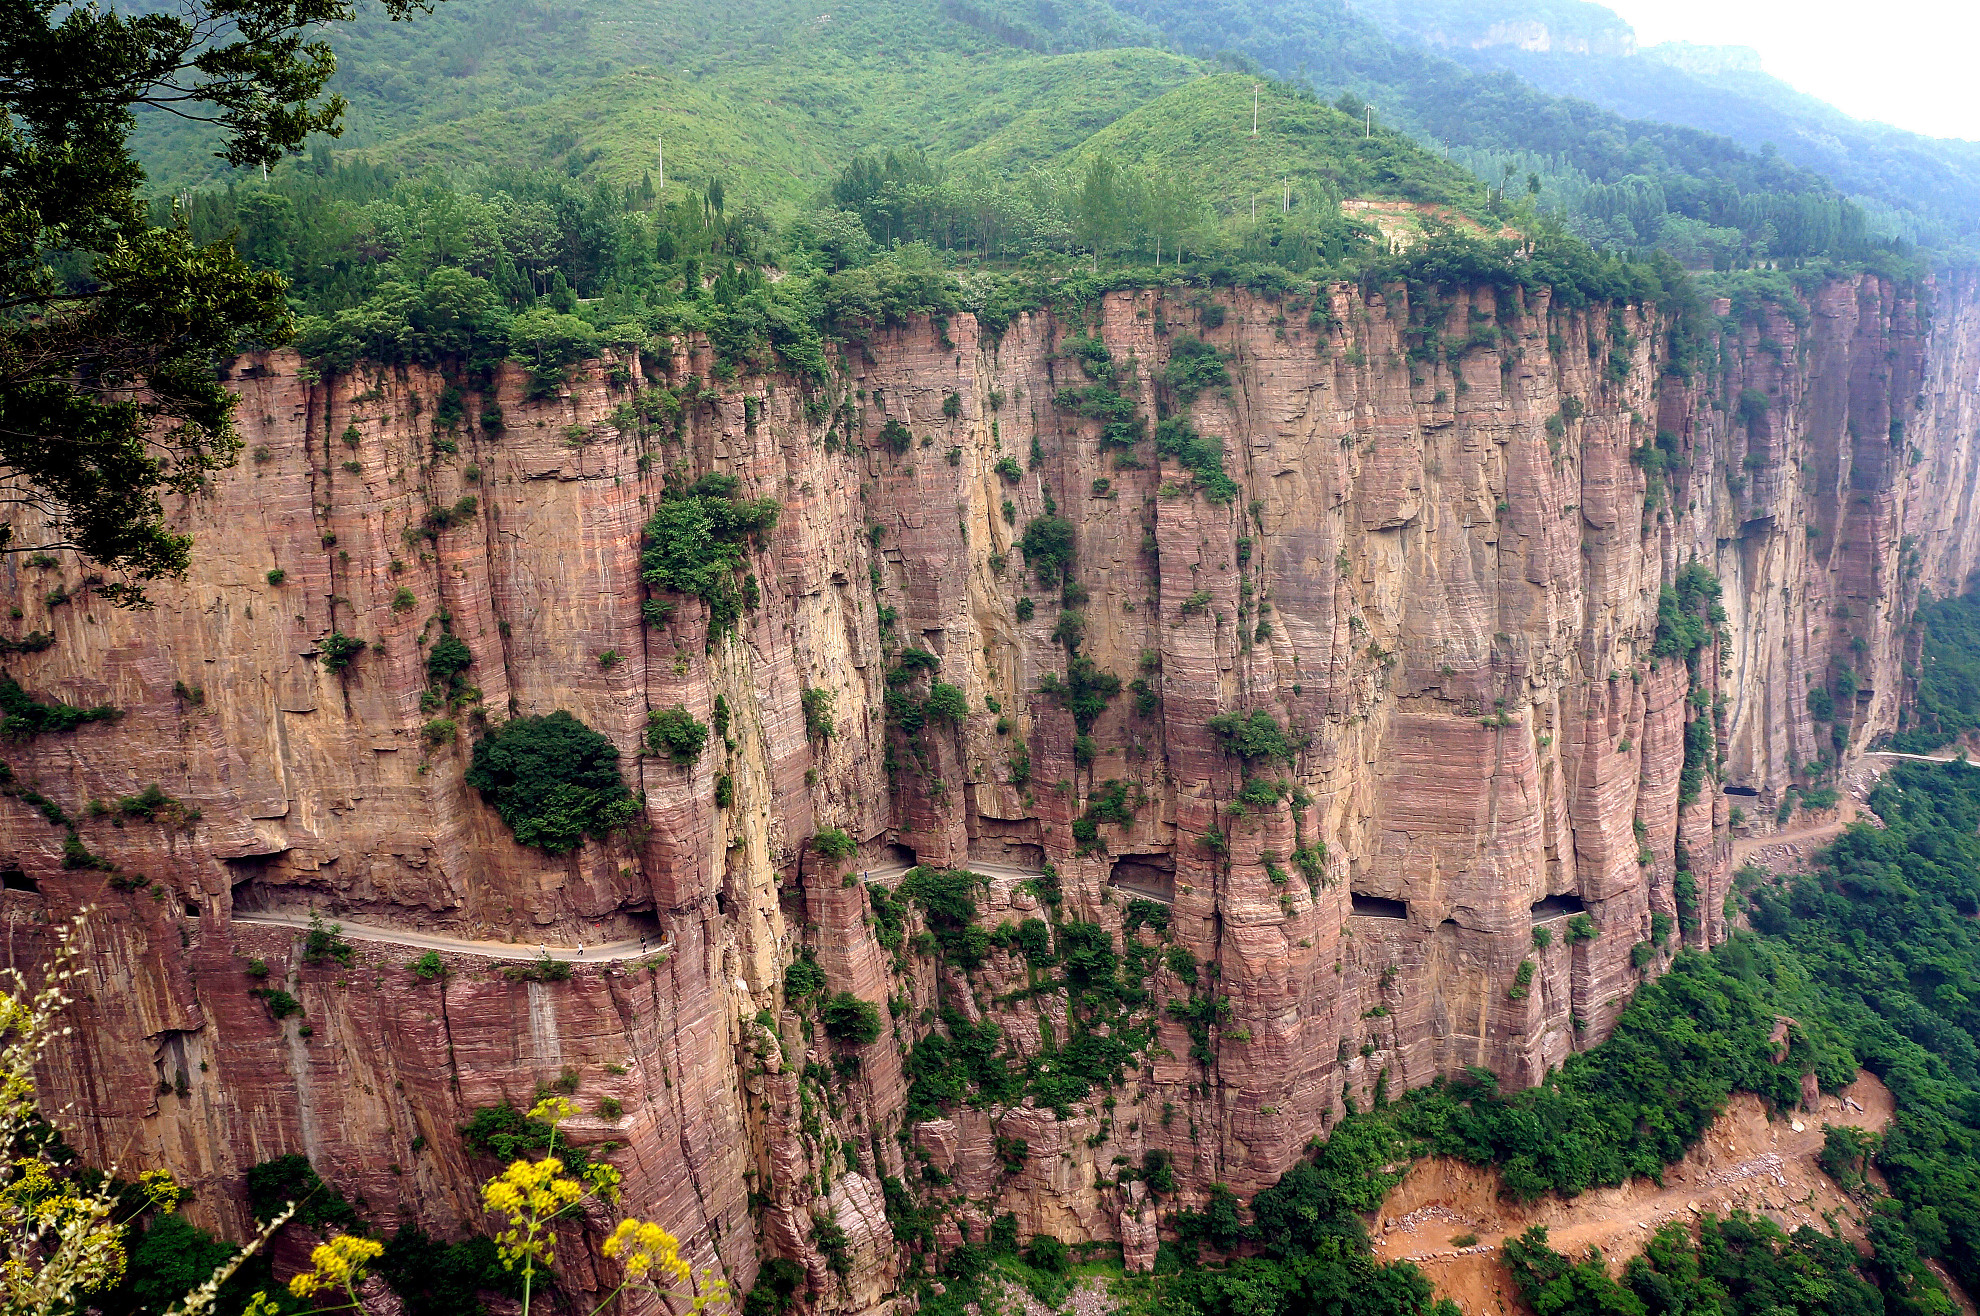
(700, 538)
(1195, 365)
(834, 843)
(804, 978)
(446, 661)
(553, 779)
(339, 651)
(676, 733)
(947, 703)
(849, 1019)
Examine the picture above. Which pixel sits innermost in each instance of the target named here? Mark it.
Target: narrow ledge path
(604, 953)
(891, 875)
(494, 950)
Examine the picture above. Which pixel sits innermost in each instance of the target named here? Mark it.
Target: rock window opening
(1377, 906)
(1150, 876)
(13, 879)
(1555, 906)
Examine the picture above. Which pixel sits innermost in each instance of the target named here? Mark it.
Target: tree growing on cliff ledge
(553, 779)
(112, 329)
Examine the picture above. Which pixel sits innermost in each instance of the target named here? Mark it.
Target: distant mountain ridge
(1926, 188)
(1560, 26)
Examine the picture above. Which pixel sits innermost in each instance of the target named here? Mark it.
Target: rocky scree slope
(1427, 579)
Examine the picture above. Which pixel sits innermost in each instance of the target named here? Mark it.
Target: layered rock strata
(1440, 575)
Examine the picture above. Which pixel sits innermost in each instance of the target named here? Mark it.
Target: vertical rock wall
(1441, 574)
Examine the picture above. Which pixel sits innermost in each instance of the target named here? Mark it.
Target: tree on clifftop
(112, 329)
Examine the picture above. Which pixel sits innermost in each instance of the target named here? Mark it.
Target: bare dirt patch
(1745, 1160)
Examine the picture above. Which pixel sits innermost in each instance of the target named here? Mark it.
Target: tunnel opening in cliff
(1151, 876)
(1555, 906)
(1746, 792)
(245, 895)
(1377, 906)
(13, 879)
(1014, 842)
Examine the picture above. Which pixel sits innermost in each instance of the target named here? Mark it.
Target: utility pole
(1368, 122)
(663, 162)
(1254, 109)
(1285, 206)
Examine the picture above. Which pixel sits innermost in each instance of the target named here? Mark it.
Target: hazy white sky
(1912, 63)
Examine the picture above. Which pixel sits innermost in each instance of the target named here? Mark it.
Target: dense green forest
(548, 268)
(1009, 102)
(1945, 685)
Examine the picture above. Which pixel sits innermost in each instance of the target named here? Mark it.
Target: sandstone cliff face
(1441, 571)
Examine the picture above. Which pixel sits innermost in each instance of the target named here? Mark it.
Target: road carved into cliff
(497, 950)
(892, 874)
(1744, 847)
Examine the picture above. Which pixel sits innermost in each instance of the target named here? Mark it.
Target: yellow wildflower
(337, 1264)
(604, 1180)
(161, 1188)
(553, 1110)
(32, 1181)
(531, 1194)
(643, 1248)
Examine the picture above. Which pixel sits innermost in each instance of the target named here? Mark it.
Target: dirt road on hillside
(1788, 849)
(1744, 1161)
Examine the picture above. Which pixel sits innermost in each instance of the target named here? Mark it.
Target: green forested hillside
(772, 99)
(1714, 202)
(1205, 129)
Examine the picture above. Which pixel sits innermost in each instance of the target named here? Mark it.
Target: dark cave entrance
(1377, 906)
(1151, 876)
(1555, 906)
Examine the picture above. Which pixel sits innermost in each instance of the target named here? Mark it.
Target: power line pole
(1368, 122)
(1254, 109)
(662, 141)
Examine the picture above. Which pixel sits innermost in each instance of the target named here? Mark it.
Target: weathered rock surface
(1443, 573)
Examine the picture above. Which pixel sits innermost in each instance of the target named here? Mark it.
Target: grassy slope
(773, 99)
(777, 134)
(1206, 128)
